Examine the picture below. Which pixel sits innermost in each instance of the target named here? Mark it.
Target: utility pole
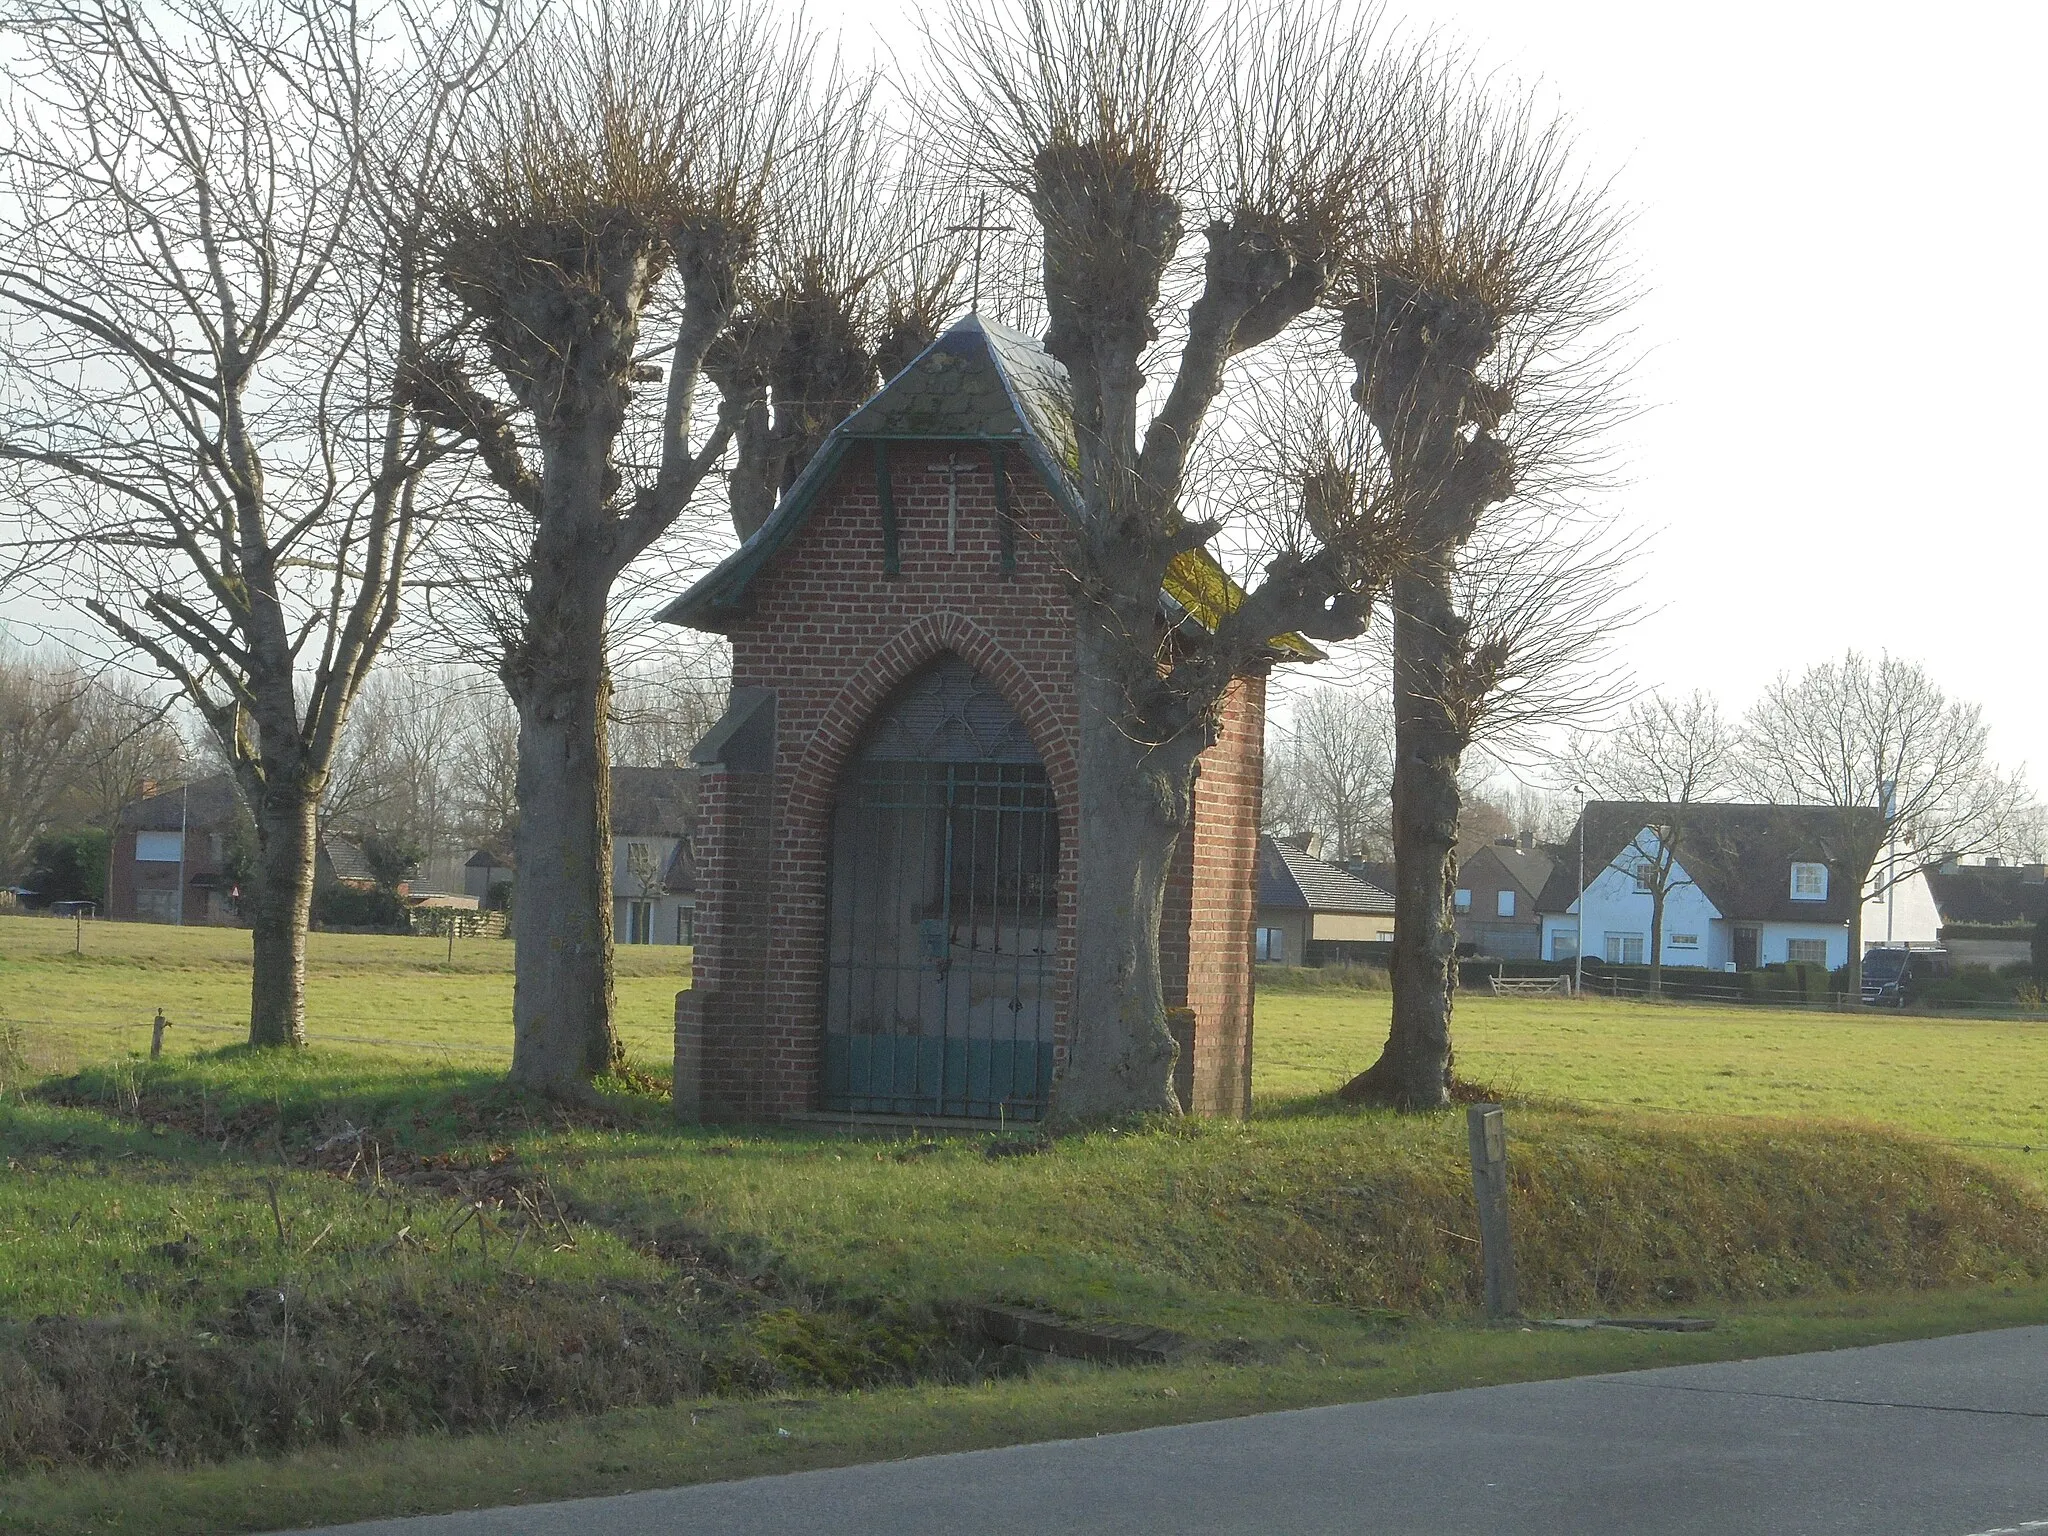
(1579, 949)
(184, 820)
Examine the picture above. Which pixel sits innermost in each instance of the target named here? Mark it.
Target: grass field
(402, 993)
(687, 1294)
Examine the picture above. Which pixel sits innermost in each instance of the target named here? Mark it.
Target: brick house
(886, 817)
(168, 862)
(1494, 903)
(1315, 913)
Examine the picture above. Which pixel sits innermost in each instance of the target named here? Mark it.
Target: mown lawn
(402, 993)
(1807, 1179)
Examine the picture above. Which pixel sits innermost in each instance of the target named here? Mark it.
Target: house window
(1806, 951)
(1685, 941)
(159, 847)
(686, 925)
(1624, 949)
(1270, 946)
(1564, 944)
(1809, 882)
(1461, 901)
(1646, 878)
(639, 922)
(1504, 904)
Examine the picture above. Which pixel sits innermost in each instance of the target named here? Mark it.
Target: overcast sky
(1840, 234)
(1840, 222)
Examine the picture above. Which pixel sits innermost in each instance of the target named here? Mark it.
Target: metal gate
(943, 912)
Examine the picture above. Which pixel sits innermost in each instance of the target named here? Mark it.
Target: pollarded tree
(610, 186)
(210, 280)
(1883, 736)
(655, 192)
(1478, 311)
(1670, 754)
(1202, 173)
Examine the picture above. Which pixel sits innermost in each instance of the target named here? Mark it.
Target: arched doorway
(943, 916)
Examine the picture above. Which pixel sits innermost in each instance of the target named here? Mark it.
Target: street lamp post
(1579, 948)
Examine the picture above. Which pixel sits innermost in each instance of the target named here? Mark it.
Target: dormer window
(1809, 882)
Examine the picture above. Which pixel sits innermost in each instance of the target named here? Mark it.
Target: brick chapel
(886, 824)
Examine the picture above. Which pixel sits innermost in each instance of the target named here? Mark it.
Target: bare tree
(661, 709)
(1198, 174)
(1670, 755)
(1478, 313)
(1333, 768)
(203, 333)
(1883, 736)
(613, 183)
(42, 720)
(392, 776)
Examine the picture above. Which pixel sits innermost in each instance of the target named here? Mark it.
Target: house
(339, 860)
(482, 871)
(1495, 902)
(887, 816)
(1993, 894)
(1314, 913)
(170, 858)
(1751, 885)
(654, 876)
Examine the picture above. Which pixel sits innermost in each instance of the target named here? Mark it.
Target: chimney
(1994, 862)
(148, 788)
(2034, 874)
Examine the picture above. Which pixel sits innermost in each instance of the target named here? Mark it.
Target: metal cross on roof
(978, 228)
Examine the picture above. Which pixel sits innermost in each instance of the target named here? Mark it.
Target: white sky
(1840, 231)
(1840, 228)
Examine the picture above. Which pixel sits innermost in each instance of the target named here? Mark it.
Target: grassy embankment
(750, 1280)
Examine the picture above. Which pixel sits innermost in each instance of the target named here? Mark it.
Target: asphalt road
(1944, 1437)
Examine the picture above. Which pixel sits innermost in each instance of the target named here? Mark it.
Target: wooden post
(1486, 1132)
(156, 1035)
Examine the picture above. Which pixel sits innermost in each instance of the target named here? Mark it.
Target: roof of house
(653, 802)
(1289, 877)
(1529, 868)
(679, 875)
(347, 859)
(1989, 893)
(978, 383)
(1379, 872)
(209, 802)
(1739, 856)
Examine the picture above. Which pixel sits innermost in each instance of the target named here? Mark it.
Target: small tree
(1671, 755)
(204, 324)
(1882, 735)
(1476, 312)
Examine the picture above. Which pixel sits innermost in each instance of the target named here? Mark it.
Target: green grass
(1808, 1179)
(399, 993)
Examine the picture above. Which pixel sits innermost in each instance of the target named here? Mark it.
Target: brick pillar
(721, 1021)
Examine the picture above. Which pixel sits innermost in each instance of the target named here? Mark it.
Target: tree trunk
(1657, 894)
(1856, 942)
(285, 850)
(1414, 1069)
(1135, 803)
(562, 995)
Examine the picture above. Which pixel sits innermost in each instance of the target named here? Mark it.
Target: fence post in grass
(1486, 1133)
(156, 1035)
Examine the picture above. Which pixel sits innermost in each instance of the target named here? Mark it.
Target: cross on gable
(953, 469)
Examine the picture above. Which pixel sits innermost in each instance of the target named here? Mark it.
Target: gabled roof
(209, 802)
(1529, 868)
(346, 859)
(1289, 877)
(1989, 893)
(1739, 856)
(978, 383)
(653, 802)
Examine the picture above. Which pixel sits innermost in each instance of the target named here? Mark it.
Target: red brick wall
(1221, 863)
(833, 636)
